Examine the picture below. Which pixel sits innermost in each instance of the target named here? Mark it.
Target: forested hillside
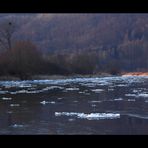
(85, 43)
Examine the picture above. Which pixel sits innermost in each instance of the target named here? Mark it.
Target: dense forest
(68, 44)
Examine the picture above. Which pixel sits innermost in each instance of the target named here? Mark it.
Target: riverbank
(135, 74)
(53, 77)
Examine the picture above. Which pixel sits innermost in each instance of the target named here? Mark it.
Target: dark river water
(98, 106)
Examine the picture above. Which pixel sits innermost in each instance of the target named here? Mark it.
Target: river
(81, 106)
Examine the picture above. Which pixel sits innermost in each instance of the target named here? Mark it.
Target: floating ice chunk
(52, 102)
(131, 100)
(66, 113)
(143, 95)
(22, 91)
(52, 87)
(3, 91)
(17, 126)
(91, 116)
(13, 93)
(94, 105)
(75, 101)
(130, 95)
(81, 92)
(95, 101)
(60, 98)
(87, 93)
(14, 105)
(97, 90)
(135, 91)
(110, 89)
(122, 85)
(119, 99)
(71, 119)
(25, 85)
(72, 89)
(46, 102)
(9, 112)
(4, 98)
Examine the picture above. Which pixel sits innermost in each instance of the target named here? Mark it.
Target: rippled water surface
(105, 105)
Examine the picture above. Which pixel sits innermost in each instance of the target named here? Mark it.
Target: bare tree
(6, 31)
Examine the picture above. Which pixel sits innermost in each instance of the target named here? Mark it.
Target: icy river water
(80, 106)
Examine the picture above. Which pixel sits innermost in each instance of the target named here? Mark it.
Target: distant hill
(72, 32)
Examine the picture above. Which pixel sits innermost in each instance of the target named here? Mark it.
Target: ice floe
(3, 91)
(59, 98)
(93, 105)
(122, 85)
(44, 102)
(47, 102)
(10, 112)
(35, 91)
(75, 101)
(91, 116)
(17, 126)
(31, 86)
(52, 87)
(82, 92)
(71, 89)
(14, 105)
(97, 90)
(87, 93)
(131, 100)
(131, 95)
(143, 95)
(4, 98)
(95, 101)
(135, 91)
(118, 99)
(71, 119)
(110, 89)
